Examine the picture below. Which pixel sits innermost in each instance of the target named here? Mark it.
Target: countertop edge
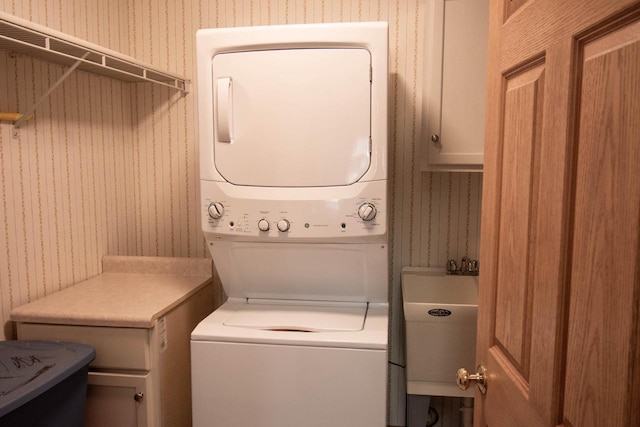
(110, 321)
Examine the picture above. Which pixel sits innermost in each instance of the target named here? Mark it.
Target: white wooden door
(560, 285)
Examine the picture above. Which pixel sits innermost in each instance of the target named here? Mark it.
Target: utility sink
(440, 314)
(426, 287)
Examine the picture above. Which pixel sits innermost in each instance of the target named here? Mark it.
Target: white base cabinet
(141, 376)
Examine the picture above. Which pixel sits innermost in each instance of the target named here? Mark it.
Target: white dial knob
(367, 211)
(216, 210)
(263, 225)
(283, 225)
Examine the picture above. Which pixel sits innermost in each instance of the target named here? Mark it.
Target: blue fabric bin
(43, 383)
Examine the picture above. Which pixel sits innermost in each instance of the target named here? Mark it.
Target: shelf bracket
(62, 78)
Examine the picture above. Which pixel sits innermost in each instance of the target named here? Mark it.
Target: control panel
(357, 212)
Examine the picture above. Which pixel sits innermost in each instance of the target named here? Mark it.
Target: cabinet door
(455, 84)
(118, 400)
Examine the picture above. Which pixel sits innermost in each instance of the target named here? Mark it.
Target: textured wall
(109, 167)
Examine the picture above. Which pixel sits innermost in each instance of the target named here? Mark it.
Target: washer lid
(292, 117)
(289, 316)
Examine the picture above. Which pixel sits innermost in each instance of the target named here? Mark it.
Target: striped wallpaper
(108, 167)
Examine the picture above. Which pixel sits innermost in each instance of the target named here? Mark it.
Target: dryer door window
(292, 117)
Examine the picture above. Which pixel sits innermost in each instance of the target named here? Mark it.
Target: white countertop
(131, 292)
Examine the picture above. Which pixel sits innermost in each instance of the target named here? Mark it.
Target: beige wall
(109, 167)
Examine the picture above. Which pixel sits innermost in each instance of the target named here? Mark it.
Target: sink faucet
(468, 267)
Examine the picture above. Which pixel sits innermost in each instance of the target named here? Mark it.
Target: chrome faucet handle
(452, 267)
(465, 264)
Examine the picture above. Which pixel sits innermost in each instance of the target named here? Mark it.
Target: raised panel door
(559, 302)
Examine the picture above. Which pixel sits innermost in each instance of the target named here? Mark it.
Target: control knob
(216, 210)
(263, 225)
(283, 225)
(367, 211)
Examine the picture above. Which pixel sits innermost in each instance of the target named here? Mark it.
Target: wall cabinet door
(455, 84)
(121, 400)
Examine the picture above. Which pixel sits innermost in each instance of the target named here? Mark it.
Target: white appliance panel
(291, 271)
(318, 215)
(292, 117)
(287, 386)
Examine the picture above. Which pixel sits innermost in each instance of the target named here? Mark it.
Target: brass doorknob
(464, 379)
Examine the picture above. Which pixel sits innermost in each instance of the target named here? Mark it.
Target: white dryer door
(292, 117)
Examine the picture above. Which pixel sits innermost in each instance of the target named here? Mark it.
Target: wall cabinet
(454, 85)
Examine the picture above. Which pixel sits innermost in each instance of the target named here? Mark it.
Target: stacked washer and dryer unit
(293, 167)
